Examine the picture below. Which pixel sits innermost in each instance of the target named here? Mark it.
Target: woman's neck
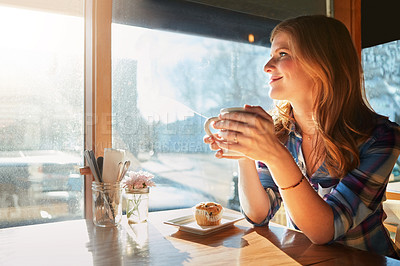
(304, 119)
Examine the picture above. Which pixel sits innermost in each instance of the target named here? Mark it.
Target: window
(165, 83)
(381, 65)
(41, 114)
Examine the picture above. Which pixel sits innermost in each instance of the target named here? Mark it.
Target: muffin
(208, 213)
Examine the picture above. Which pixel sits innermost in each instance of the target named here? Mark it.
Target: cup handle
(207, 125)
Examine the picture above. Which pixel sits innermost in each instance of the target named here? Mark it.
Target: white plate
(189, 224)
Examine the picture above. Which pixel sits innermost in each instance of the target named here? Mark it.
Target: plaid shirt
(356, 199)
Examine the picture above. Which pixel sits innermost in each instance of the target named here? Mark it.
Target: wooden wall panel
(349, 12)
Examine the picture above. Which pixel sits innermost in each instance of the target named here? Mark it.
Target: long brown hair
(343, 116)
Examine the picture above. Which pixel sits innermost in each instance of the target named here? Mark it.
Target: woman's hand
(211, 140)
(251, 132)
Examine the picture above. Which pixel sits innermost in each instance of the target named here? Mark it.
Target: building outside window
(165, 84)
(381, 65)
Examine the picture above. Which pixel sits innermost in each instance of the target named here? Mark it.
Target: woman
(325, 153)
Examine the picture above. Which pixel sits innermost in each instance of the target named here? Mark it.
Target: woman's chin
(274, 94)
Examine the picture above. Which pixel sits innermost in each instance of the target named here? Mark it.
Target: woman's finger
(230, 125)
(214, 146)
(228, 128)
(219, 154)
(233, 157)
(208, 139)
(249, 110)
(234, 146)
(229, 135)
(243, 117)
(211, 141)
(257, 110)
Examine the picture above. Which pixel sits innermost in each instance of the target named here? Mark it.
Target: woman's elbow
(320, 241)
(320, 233)
(257, 218)
(321, 238)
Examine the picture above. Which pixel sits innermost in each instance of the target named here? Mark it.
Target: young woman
(325, 153)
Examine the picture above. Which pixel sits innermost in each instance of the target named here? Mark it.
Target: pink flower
(135, 180)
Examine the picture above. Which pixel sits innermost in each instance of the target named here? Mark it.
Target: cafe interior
(91, 89)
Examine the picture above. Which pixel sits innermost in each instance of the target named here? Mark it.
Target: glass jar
(137, 205)
(106, 204)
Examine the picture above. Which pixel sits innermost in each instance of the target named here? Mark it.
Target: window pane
(164, 86)
(381, 65)
(41, 116)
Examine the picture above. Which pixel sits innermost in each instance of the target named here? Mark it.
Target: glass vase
(137, 205)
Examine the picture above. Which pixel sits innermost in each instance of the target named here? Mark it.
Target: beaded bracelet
(295, 185)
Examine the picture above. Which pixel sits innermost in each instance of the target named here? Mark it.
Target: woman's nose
(268, 66)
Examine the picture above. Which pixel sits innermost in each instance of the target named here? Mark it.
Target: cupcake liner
(212, 218)
(203, 217)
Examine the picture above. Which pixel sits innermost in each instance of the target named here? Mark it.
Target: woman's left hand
(251, 132)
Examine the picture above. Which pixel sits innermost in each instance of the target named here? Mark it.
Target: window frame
(97, 67)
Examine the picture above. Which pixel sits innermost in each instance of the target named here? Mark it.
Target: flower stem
(135, 202)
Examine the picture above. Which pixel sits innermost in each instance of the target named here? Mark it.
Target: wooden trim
(88, 107)
(98, 18)
(102, 55)
(392, 195)
(349, 12)
(85, 170)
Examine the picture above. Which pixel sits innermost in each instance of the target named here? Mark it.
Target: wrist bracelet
(295, 185)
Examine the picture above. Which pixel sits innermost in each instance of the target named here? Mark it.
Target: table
(393, 190)
(79, 242)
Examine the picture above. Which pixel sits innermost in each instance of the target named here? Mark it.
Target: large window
(41, 115)
(171, 68)
(165, 84)
(381, 65)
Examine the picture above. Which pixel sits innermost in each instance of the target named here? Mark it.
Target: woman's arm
(253, 198)
(257, 140)
(311, 214)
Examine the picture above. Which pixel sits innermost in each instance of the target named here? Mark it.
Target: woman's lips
(273, 79)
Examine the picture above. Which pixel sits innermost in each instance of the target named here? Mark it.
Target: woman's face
(288, 80)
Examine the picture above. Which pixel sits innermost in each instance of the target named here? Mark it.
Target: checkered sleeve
(361, 192)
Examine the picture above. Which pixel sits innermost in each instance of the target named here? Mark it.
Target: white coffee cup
(226, 152)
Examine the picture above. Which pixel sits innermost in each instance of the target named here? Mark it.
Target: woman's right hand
(213, 144)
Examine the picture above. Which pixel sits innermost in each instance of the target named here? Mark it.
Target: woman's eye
(282, 54)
